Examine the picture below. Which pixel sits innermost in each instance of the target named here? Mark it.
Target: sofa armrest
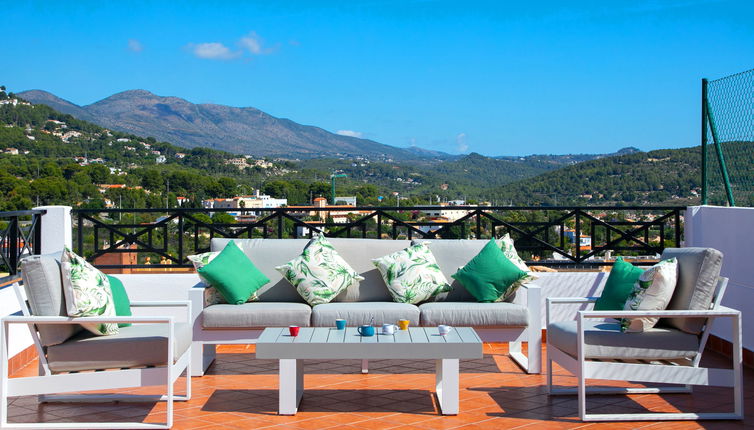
(166, 304)
(196, 298)
(533, 304)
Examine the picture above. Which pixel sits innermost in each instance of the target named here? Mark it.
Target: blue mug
(366, 330)
(340, 324)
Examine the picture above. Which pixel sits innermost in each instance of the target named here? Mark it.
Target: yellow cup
(403, 324)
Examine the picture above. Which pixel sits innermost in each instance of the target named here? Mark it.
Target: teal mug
(366, 330)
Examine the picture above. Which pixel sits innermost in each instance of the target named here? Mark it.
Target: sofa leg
(365, 366)
(202, 355)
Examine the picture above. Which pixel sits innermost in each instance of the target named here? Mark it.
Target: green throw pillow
(233, 274)
(121, 300)
(489, 276)
(619, 286)
(412, 275)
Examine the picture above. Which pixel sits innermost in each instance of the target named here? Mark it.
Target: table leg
(446, 385)
(291, 386)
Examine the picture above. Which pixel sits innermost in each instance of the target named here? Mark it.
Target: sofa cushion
(472, 314)
(698, 270)
(412, 275)
(358, 313)
(606, 340)
(137, 345)
(256, 314)
(43, 283)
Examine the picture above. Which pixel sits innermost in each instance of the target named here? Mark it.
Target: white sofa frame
(205, 340)
(47, 383)
(685, 375)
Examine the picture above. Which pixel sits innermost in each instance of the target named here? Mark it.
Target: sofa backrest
(268, 253)
(43, 284)
(698, 272)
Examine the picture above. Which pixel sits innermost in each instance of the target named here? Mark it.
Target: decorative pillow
(490, 276)
(412, 274)
(319, 273)
(120, 298)
(87, 292)
(652, 291)
(509, 250)
(211, 295)
(619, 286)
(233, 274)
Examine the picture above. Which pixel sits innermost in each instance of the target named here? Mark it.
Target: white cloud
(350, 133)
(213, 51)
(252, 43)
(461, 144)
(135, 46)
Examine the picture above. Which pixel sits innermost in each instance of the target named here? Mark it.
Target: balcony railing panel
(20, 235)
(163, 238)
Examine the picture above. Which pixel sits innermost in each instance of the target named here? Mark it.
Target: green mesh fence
(728, 129)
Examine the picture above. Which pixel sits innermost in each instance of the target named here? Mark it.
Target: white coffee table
(323, 343)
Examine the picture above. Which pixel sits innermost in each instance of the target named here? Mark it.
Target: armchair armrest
(50, 320)
(565, 300)
(720, 311)
(165, 304)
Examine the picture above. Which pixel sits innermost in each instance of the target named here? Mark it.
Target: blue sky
(498, 78)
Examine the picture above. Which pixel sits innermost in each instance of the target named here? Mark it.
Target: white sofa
(280, 305)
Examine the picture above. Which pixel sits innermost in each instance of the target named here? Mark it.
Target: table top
(331, 343)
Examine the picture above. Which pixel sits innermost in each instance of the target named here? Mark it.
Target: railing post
(577, 236)
(57, 229)
(13, 245)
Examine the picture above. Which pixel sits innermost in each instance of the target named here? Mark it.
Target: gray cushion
(44, 290)
(358, 253)
(472, 314)
(256, 314)
(604, 340)
(134, 346)
(362, 312)
(698, 270)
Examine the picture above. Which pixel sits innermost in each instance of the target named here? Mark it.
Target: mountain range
(245, 130)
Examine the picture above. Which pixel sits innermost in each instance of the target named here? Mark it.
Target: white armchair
(154, 350)
(592, 348)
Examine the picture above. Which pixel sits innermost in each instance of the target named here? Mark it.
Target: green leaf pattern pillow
(319, 273)
(211, 295)
(412, 275)
(509, 250)
(87, 292)
(652, 291)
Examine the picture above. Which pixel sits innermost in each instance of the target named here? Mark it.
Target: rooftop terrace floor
(240, 392)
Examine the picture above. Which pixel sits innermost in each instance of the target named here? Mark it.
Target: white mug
(443, 329)
(389, 329)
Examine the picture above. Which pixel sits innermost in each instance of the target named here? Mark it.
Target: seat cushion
(604, 340)
(134, 346)
(471, 314)
(256, 314)
(698, 270)
(43, 283)
(358, 313)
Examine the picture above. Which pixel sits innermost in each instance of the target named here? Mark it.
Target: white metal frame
(205, 340)
(685, 375)
(48, 383)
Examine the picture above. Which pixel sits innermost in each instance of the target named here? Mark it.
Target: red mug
(293, 330)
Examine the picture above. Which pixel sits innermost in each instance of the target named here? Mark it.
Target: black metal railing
(20, 234)
(163, 238)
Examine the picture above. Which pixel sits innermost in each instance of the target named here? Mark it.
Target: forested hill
(668, 176)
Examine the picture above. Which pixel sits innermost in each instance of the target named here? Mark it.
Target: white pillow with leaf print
(211, 295)
(509, 250)
(319, 273)
(412, 274)
(652, 292)
(87, 293)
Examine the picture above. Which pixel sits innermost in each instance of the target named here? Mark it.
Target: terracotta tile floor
(240, 392)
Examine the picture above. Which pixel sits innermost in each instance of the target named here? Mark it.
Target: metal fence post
(704, 141)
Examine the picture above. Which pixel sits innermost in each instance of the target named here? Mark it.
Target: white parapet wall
(730, 230)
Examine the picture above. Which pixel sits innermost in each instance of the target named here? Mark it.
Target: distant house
(160, 159)
(180, 155)
(156, 152)
(11, 151)
(238, 162)
(96, 161)
(123, 139)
